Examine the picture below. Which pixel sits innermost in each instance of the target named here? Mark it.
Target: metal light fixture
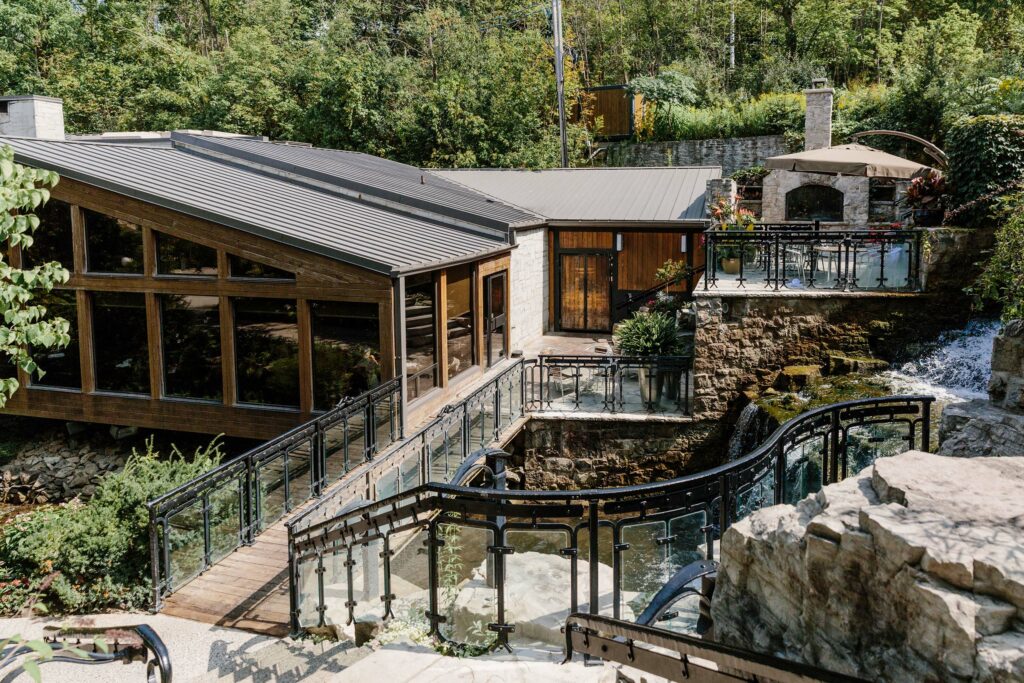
(618, 241)
(682, 243)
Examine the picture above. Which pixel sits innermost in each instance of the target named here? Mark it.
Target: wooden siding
(585, 240)
(615, 107)
(641, 256)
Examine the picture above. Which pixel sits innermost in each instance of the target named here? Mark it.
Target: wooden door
(585, 287)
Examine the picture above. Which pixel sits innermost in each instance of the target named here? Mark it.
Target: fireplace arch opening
(814, 203)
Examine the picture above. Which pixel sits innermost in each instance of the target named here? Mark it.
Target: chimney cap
(18, 98)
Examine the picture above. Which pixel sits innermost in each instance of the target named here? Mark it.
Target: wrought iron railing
(610, 384)
(199, 523)
(434, 453)
(679, 657)
(449, 552)
(774, 258)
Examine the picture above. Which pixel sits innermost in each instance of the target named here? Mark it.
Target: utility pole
(556, 20)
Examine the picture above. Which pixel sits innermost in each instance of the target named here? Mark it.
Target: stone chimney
(32, 116)
(818, 121)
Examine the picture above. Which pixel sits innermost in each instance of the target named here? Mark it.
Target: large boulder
(913, 570)
(979, 428)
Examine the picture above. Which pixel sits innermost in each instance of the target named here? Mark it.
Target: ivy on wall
(986, 153)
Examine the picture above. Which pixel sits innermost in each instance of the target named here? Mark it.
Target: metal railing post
(154, 556)
(593, 524)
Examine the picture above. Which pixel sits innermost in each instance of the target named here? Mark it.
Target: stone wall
(911, 571)
(529, 287)
(585, 453)
(778, 183)
(56, 468)
(732, 154)
(742, 343)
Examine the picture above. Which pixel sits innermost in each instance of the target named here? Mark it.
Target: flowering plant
(926, 190)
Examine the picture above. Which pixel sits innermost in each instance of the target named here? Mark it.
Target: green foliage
(87, 556)
(1002, 280)
(22, 324)
(648, 334)
(750, 176)
(668, 88)
(763, 115)
(985, 152)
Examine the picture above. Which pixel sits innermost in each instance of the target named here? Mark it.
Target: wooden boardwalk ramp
(246, 590)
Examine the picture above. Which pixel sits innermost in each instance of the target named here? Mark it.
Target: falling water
(956, 368)
(740, 441)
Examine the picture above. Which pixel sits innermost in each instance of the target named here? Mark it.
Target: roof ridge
(89, 143)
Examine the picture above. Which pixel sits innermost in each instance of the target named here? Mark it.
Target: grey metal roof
(597, 194)
(368, 236)
(394, 184)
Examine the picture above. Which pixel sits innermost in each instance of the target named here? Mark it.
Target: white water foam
(956, 369)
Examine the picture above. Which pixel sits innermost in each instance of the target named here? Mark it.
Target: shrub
(1002, 280)
(770, 114)
(648, 334)
(93, 555)
(985, 153)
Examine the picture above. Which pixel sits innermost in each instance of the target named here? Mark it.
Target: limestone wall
(911, 571)
(778, 183)
(585, 453)
(732, 154)
(529, 286)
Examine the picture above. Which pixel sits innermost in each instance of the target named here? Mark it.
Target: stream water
(956, 368)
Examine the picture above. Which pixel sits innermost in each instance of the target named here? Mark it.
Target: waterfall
(742, 437)
(956, 368)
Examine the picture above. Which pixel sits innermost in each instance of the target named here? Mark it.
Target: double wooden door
(585, 291)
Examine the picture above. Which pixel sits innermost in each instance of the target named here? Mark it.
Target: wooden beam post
(156, 356)
(305, 357)
(227, 352)
(85, 342)
(441, 333)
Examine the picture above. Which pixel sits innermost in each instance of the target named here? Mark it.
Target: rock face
(912, 571)
(55, 469)
(996, 426)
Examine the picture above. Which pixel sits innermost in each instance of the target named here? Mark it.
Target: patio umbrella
(857, 160)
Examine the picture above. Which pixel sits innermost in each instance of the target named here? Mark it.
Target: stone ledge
(912, 570)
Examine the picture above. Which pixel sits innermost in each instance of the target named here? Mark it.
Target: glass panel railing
(186, 544)
(388, 484)
(410, 575)
(226, 520)
(804, 469)
(300, 474)
(307, 594)
(644, 566)
(537, 563)
(867, 443)
(466, 592)
(605, 573)
(612, 384)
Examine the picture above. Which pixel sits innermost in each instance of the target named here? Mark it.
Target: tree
(23, 326)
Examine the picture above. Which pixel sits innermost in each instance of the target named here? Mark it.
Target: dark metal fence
(605, 551)
(678, 657)
(803, 257)
(199, 523)
(611, 384)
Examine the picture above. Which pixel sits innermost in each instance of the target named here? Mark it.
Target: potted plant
(731, 255)
(924, 196)
(647, 335)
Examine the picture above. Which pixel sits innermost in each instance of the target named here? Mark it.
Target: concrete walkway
(203, 653)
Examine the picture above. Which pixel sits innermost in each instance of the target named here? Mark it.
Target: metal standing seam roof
(344, 229)
(369, 175)
(597, 194)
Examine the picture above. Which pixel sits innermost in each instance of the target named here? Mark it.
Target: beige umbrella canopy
(858, 160)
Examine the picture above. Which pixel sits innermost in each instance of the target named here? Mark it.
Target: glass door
(495, 316)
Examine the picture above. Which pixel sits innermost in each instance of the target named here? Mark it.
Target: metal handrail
(237, 482)
(719, 496)
(679, 657)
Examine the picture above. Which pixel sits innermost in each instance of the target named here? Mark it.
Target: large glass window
(62, 367)
(346, 350)
(244, 268)
(190, 328)
(176, 256)
(267, 351)
(52, 240)
(120, 342)
(459, 291)
(112, 245)
(814, 203)
(420, 331)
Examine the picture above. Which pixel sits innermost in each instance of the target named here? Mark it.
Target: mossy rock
(842, 364)
(796, 377)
